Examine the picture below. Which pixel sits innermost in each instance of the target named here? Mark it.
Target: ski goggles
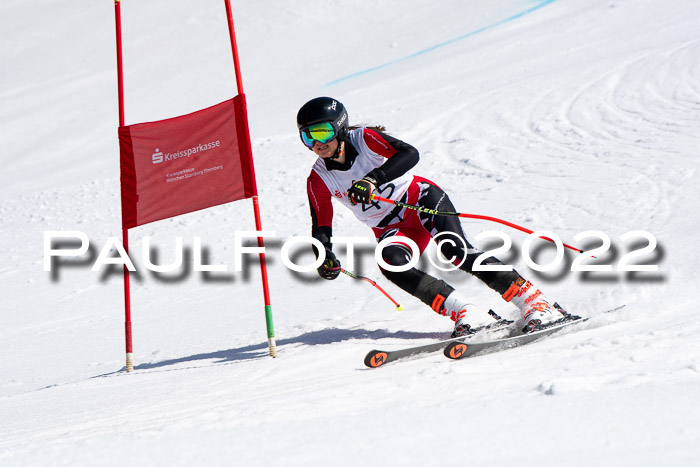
(321, 132)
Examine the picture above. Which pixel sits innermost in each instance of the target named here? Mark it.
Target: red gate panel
(184, 164)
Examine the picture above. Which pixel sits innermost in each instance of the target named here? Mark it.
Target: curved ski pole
(399, 307)
(468, 216)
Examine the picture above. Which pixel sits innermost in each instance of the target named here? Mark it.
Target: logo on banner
(157, 157)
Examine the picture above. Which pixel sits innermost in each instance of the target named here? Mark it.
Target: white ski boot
(468, 317)
(538, 311)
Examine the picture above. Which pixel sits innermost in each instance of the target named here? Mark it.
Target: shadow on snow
(260, 351)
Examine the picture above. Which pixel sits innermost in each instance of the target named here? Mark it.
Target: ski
(463, 349)
(377, 358)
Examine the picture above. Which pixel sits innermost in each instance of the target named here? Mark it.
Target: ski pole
(468, 216)
(355, 276)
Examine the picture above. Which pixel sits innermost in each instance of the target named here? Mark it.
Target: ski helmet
(324, 110)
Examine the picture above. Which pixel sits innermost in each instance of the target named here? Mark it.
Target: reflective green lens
(321, 132)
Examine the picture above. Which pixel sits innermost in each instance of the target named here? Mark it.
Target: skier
(355, 162)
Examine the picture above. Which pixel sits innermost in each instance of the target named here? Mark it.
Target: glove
(361, 190)
(330, 269)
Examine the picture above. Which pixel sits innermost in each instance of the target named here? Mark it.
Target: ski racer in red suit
(355, 162)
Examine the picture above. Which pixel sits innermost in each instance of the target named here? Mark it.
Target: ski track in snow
(581, 115)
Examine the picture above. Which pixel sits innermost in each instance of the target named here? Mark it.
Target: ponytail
(379, 128)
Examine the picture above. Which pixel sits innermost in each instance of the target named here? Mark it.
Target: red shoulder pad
(378, 144)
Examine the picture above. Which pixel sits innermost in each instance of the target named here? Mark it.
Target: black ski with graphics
(465, 348)
(376, 358)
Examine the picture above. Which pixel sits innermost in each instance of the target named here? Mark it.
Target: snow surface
(565, 115)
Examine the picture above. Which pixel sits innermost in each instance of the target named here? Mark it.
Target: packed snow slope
(566, 115)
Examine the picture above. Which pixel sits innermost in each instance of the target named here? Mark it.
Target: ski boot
(538, 311)
(468, 318)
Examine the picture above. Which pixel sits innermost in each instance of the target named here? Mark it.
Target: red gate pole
(125, 232)
(258, 225)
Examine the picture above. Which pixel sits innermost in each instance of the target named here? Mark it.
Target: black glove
(330, 269)
(361, 190)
